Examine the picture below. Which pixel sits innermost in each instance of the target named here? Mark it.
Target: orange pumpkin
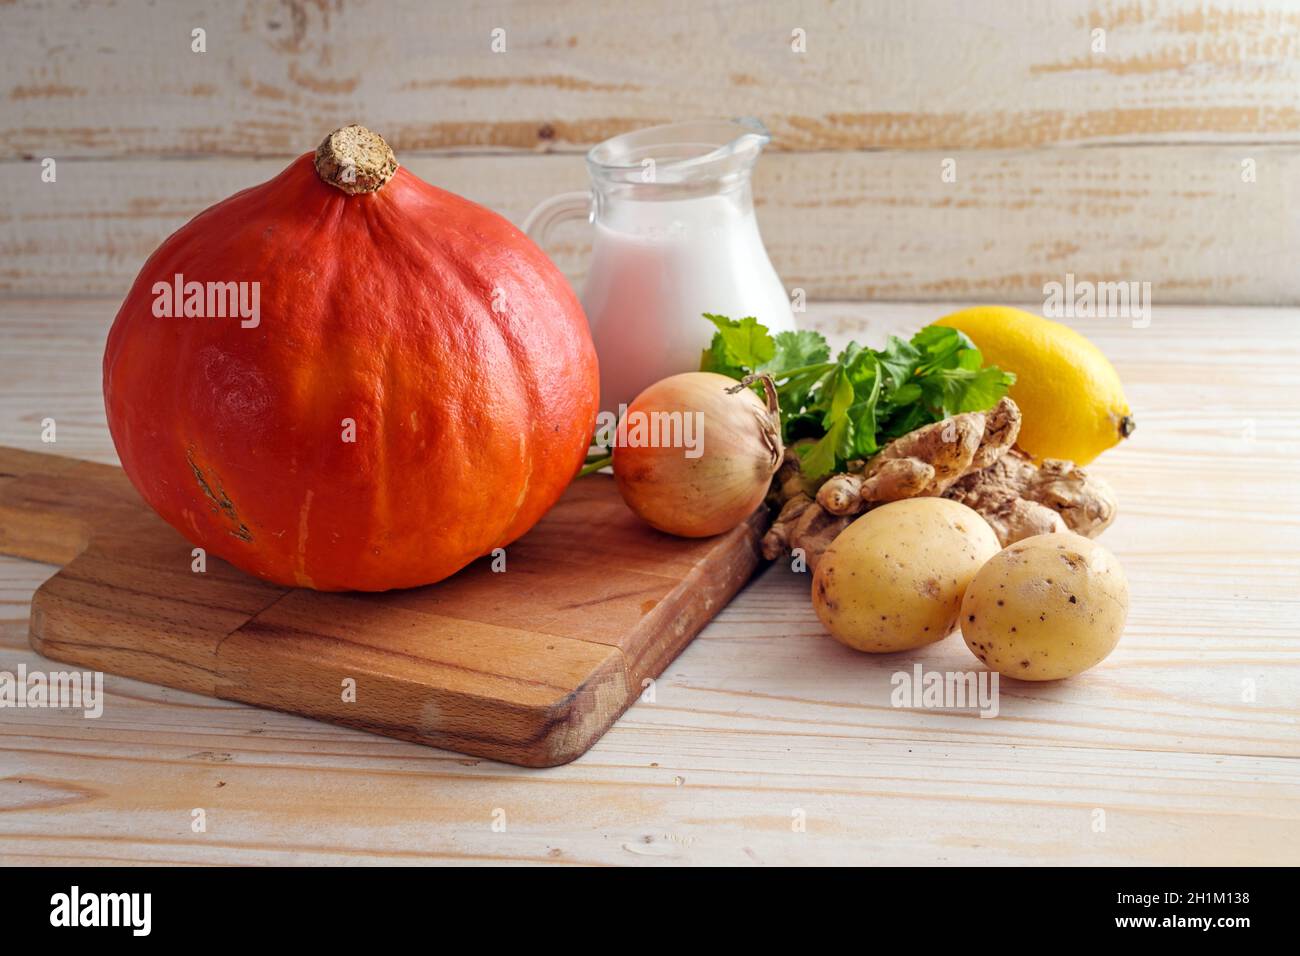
(365, 382)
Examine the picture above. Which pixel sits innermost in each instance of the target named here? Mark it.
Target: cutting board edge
(701, 597)
(565, 727)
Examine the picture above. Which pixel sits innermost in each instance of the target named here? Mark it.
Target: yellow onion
(709, 489)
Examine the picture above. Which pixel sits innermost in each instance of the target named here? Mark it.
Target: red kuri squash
(347, 378)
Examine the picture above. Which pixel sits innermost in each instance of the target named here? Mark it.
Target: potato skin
(894, 579)
(1047, 607)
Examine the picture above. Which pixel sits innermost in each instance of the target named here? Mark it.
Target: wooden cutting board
(529, 666)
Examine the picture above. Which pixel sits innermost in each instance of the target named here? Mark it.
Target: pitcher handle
(549, 213)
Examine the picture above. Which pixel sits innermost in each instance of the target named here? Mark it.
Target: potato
(1047, 607)
(894, 578)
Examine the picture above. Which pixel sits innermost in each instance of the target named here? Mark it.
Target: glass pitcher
(675, 236)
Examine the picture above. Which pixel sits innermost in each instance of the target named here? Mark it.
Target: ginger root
(1020, 499)
(969, 458)
(801, 523)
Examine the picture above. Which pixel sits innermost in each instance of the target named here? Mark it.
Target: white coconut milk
(656, 267)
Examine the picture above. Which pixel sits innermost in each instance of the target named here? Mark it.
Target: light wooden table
(1181, 748)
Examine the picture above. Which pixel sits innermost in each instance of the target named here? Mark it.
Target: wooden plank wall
(1170, 157)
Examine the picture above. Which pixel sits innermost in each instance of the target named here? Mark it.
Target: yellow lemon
(1070, 396)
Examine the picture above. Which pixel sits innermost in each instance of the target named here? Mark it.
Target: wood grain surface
(876, 225)
(766, 742)
(121, 78)
(1169, 156)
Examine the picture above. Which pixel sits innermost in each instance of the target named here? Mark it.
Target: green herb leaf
(819, 459)
(941, 346)
(899, 360)
(970, 390)
(794, 391)
(905, 395)
(795, 350)
(747, 343)
(862, 415)
(717, 358)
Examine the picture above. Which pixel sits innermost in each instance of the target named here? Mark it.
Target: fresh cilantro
(852, 406)
(740, 343)
(716, 358)
(819, 458)
(796, 350)
(899, 361)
